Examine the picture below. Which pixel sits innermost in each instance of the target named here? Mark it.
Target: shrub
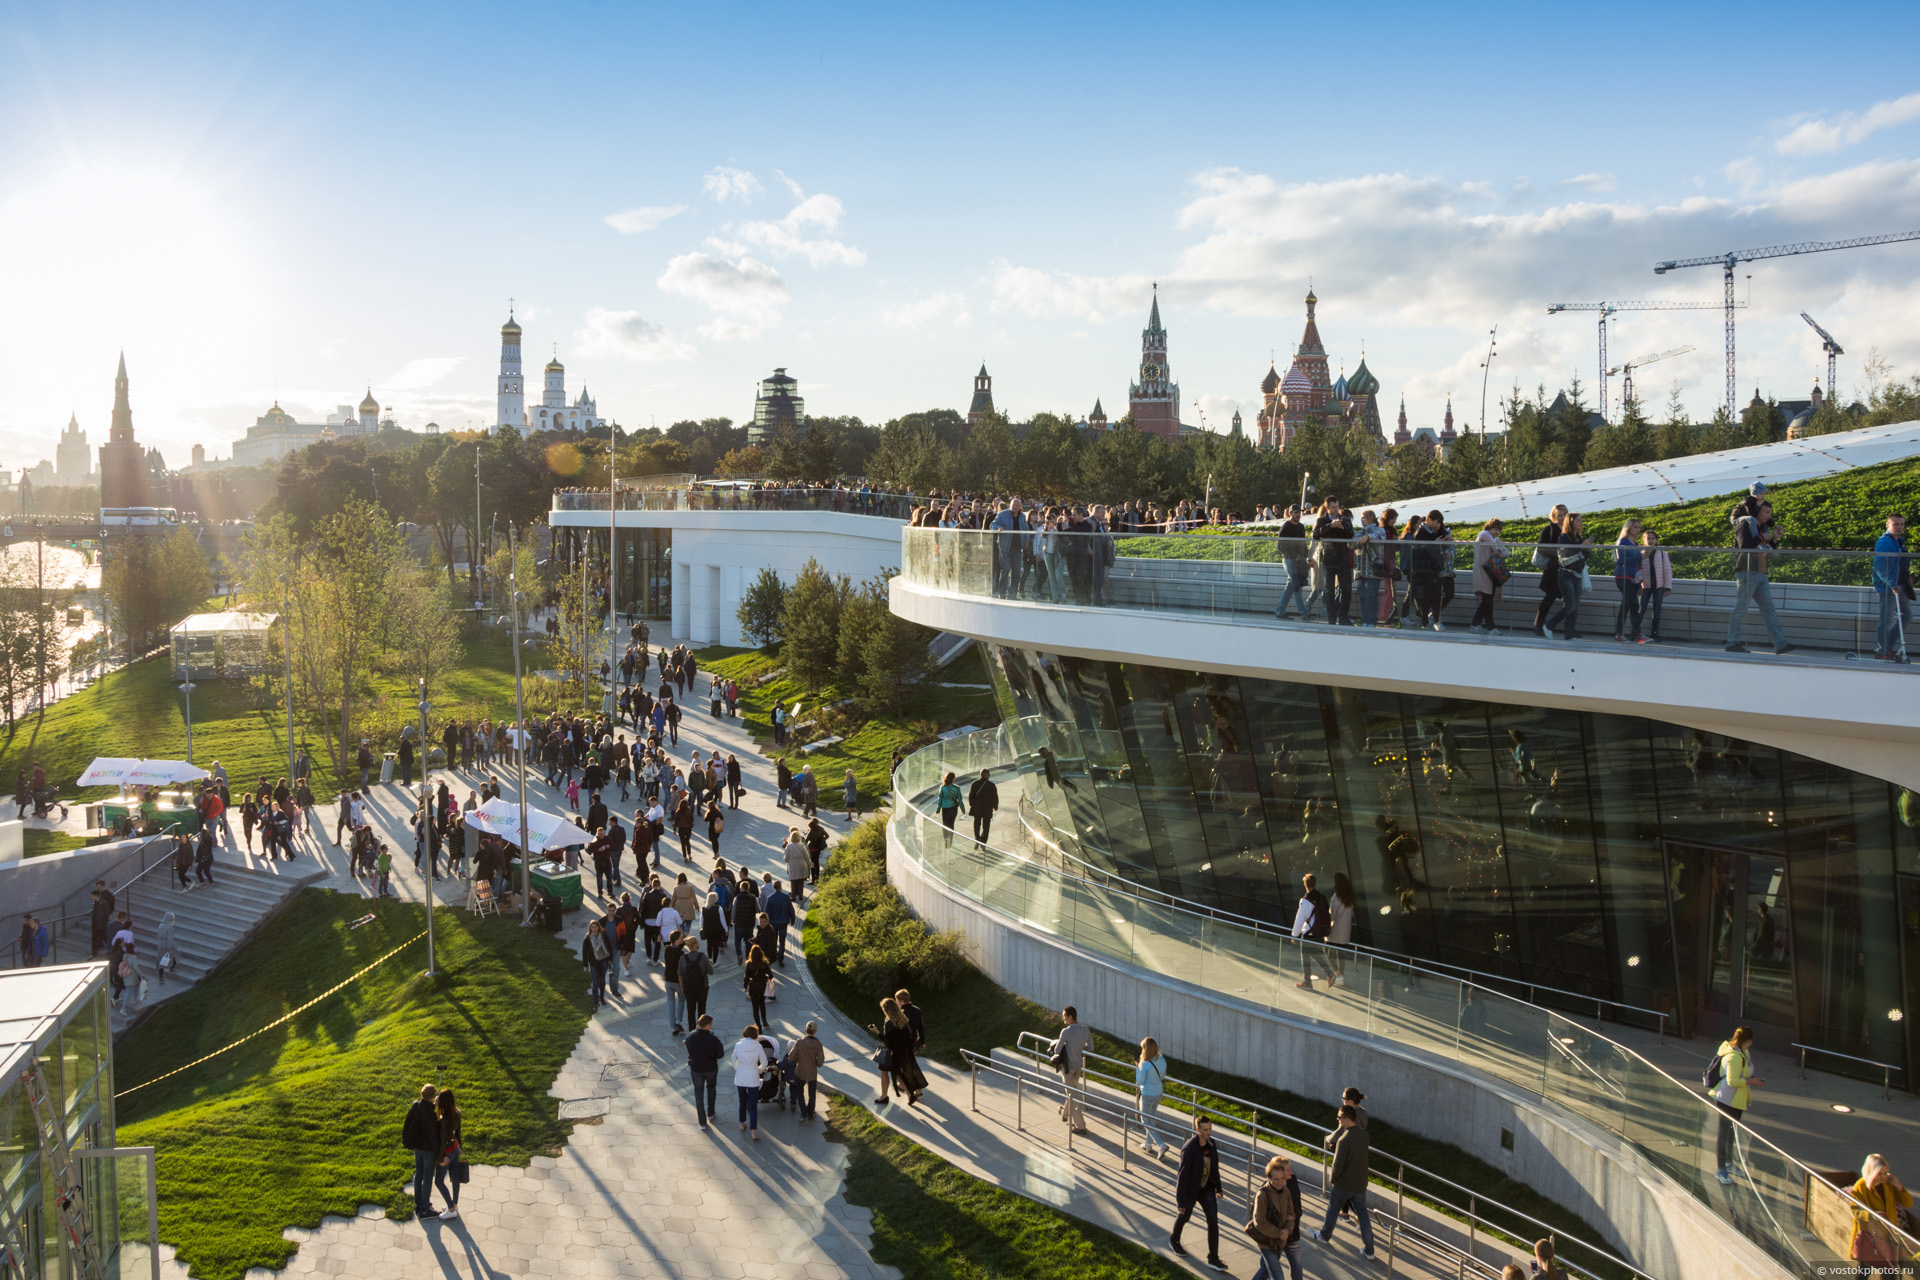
(873, 939)
(760, 608)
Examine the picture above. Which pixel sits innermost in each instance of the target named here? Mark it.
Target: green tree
(895, 662)
(1676, 435)
(1759, 421)
(864, 613)
(760, 607)
(1409, 473)
(810, 625)
(1621, 443)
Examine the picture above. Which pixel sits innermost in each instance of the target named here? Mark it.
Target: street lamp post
(519, 721)
(613, 559)
(186, 687)
(425, 843)
(286, 645)
(1486, 371)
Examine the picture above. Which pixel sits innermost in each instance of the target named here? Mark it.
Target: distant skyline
(295, 203)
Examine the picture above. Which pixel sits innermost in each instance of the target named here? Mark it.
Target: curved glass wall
(1712, 880)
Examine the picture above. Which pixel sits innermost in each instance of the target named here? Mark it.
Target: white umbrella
(544, 830)
(149, 773)
(107, 771)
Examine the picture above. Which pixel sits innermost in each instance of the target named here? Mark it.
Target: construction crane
(1828, 345)
(1606, 310)
(1626, 371)
(1737, 256)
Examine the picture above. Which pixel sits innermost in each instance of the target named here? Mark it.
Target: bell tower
(1154, 399)
(511, 400)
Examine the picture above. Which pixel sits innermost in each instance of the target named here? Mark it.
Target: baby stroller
(46, 800)
(773, 1085)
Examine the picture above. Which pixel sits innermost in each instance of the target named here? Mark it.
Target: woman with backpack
(1730, 1082)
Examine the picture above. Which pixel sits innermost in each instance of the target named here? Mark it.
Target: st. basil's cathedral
(1308, 394)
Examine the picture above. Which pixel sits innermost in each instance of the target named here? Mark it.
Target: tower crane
(1606, 310)
(1828, 345)
(1734, 257)
(1626, 371)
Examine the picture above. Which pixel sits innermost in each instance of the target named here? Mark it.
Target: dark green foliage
(761, 606)
(871, 938)
(810, 624)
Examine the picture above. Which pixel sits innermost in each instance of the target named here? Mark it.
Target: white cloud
(1589, 181)
(416, 375)
(624, 335)
(1815, 135)
(911, 315)
(724, 184)
(789, 237)
(1045, 294)
(630, 222)
(744, 295)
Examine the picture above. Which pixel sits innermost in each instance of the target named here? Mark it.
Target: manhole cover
(625, 1070)
(584, 1108)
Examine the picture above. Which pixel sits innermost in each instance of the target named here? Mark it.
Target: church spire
(121, 427)
(1153, 320)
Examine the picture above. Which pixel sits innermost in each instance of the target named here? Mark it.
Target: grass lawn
(139, 711)
(869, 743)
(36, 842)
(976, 1013)
(933, 1220)
(305, 1120)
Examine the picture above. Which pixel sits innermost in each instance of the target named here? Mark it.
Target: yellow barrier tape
(277, 1021)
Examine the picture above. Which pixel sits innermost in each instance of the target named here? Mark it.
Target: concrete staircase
(209, 922)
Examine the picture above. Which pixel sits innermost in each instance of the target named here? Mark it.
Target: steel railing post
(1020, 1104)
(973, 1103)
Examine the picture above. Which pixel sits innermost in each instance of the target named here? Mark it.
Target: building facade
(982, 404)
(73, 461)
(510, 399)
(1308, 393)
(1154, 397)
(277, 433)
(123, 464)
(553, 413)
(779, 405)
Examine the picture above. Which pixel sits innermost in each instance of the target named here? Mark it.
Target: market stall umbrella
(544, 830)
(107, 771)
(149, 773)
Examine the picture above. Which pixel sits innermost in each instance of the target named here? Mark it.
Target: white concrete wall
(718, 554)
(1647, 1217)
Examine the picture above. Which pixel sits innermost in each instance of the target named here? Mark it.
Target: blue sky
(267, 201)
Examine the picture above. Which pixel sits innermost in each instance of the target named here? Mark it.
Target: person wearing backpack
(1729, 1081)
(1313, 921)
(696, 967)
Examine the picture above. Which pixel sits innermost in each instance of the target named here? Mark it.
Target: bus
(126, 516)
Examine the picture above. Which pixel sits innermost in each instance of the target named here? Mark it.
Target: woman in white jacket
(749, 1065)
(1340, 931)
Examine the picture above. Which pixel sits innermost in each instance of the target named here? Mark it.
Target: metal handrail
(1187, 906)
(1481, 977)
(1886, 1086)
(1706, 1107)
(1395, 1219)
(13, 947)
(1040, 1055)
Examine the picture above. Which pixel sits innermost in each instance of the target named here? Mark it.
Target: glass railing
(1797, 1216)
(859, 502)
(1824, 601)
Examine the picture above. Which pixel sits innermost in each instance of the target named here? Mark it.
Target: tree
(1675, 438)
(864, 612)
(895, 662)
(1759, 421)
(1409, 473)
(750, 461)
(810, 624)
(425, 628)
(1621, 443)
(761, 606)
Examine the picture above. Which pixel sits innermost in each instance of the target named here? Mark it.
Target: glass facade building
(1717, 881)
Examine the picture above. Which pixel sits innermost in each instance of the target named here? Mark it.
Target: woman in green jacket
(1734, 1092)
(949, 803)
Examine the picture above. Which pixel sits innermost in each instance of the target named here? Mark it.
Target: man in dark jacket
(1199, 1184)
(982, 799)
(778, 906)
(1292, 546)
(746, 915)
(103, 913)
(704, 1054)
(1333, 537)
(420, 1134)
(1348, 1181)
(695, 971)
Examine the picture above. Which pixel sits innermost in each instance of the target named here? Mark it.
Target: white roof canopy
(214, 623)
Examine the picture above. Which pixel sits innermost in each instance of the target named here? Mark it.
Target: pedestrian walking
(420, 1134)
(794, 852)
(1070, 1056)
(1275, 1226)
(1885, 1200)
(897, 1060)
(1312, 923)
(850, 792)
(1150, 1086)
(816, 845)
(759, 974)
(1198, 1186)
(713, 925)
(451, 1170)
(595, 952)
(696, 971)
(983, 798)
(777, 907)
(750, 1067)
(1754, 536)
(1347, 1183)
(704, 1054)
(1730, 1083)
(808, 1055)
(1893, 586)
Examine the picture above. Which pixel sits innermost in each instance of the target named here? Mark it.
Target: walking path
(640, 1190)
